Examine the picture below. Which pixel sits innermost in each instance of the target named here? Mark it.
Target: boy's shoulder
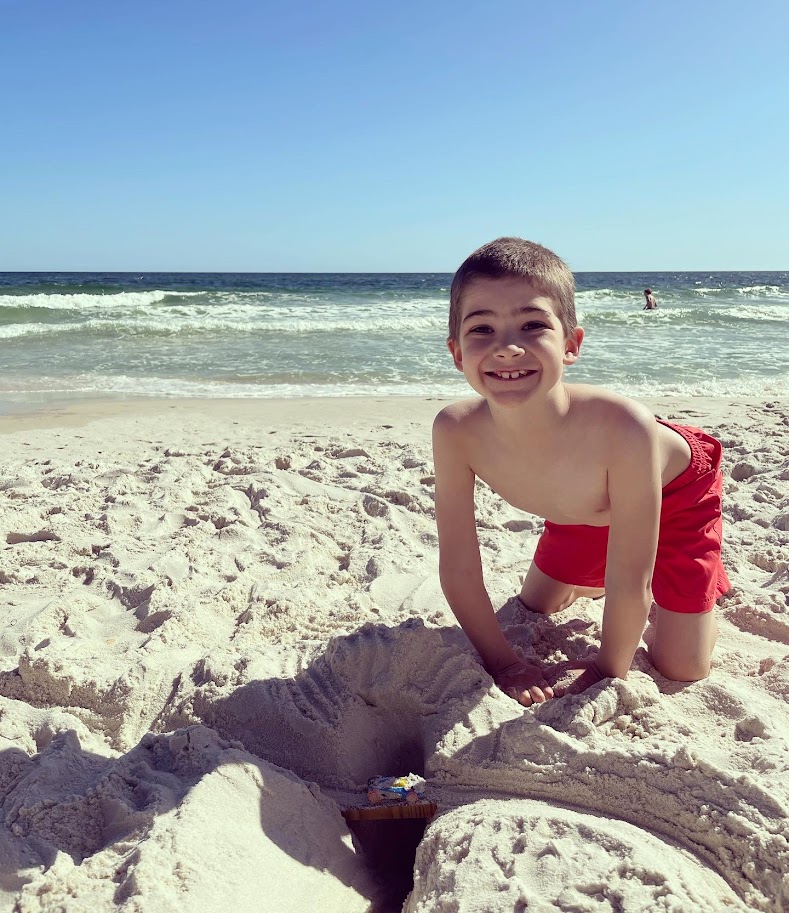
(460, 415)
(606, 410)
(593, 410)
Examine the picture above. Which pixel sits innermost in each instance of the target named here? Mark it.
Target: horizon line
(311, 272)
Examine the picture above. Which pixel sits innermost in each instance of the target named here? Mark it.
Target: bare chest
(566, 488)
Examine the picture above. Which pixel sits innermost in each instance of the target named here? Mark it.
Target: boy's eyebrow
(523, 310)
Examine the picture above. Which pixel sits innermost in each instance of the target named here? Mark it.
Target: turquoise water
(262, 335)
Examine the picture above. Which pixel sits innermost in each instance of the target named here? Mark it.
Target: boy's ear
(457, 356)
(572, 346)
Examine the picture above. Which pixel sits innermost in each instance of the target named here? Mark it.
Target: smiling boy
(632, 505)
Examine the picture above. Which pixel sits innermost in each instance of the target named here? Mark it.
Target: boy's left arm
(634, 491)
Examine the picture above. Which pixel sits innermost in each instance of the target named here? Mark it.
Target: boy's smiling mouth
(510, 375)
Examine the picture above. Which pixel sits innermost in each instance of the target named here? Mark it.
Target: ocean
(288, 335)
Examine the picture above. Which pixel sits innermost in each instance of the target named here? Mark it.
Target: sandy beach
(219, 618)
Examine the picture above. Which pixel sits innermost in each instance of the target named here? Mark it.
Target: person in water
(651, 304)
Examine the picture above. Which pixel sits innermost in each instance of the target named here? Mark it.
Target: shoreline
(325, 413)
(299, 412)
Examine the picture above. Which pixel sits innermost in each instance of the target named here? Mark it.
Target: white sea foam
(636, 317)
(196, 323)
(127, 385)
(22, 330)
(757, 312)
(746, 291)
(777, 386)
(771, 291)
(696, 315)
(98, 385)
(89, 302)
(592, 296)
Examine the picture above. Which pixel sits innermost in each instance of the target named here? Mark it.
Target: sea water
(275, 335)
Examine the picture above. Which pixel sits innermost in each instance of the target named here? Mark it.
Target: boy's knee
(682, 669)
(543, 608)
(683, 645)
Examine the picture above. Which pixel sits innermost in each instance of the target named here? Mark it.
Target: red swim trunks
(689, 575)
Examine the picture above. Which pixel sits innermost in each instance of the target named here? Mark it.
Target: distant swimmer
(651, 304)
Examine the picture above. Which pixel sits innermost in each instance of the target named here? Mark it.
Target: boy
(651, 304)
(622, 493)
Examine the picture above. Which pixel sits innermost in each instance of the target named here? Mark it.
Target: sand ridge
(219, 620)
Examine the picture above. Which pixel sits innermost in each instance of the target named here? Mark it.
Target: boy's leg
(683, 643)
(572, 551)
(541, 593)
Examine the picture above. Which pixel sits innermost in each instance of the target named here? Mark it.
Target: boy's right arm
(460, 567)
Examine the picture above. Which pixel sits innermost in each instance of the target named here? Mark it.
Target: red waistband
(704, 453)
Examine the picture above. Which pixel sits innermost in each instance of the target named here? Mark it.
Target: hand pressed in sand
(524, 682)
(574, 676)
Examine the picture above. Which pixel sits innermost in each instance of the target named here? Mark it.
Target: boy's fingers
(534, 695)
(538, 694)
(520, 695)
(547, 691)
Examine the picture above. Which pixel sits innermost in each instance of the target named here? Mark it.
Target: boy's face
(511, 343)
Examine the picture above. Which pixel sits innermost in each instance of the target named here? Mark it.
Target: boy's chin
(508, 402)
(508, 399)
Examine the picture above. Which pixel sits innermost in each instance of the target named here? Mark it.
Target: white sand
(219, 618)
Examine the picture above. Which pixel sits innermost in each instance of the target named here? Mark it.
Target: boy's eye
(482, 329)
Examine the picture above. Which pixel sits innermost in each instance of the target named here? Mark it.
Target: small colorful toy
(410, 789)
(392, 799)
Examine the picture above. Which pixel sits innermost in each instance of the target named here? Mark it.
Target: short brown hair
(507, 258)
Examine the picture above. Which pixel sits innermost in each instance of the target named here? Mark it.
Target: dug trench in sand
(220, 618)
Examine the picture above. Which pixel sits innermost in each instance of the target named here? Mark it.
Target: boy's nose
(508, 349)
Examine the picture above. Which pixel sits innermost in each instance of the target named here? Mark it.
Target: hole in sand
(389, 849)
(366, 706)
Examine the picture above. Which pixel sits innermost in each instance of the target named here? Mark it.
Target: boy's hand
(574, 676)
(524, 682)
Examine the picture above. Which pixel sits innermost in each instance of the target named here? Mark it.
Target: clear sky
(354, 135)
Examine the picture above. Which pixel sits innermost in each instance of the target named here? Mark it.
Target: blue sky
(360, 136)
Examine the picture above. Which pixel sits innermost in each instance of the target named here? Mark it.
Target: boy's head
(647, 291)
(507, 258)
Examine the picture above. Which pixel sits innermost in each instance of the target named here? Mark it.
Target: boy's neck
(531, 418)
